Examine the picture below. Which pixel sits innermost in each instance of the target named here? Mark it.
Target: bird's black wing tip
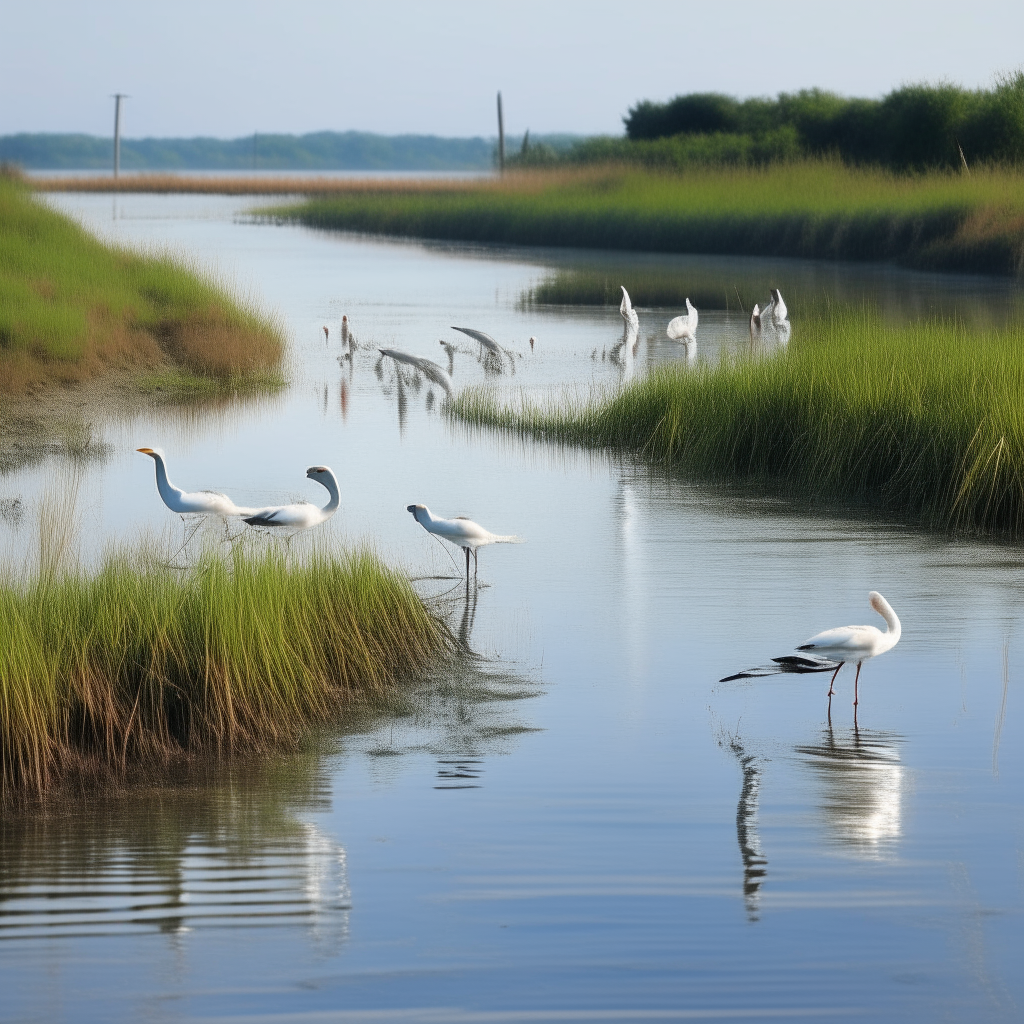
(260, 521)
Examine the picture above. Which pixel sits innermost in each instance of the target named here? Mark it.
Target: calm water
(628, 840)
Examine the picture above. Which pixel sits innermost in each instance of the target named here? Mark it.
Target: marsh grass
(72, 307)
(924, 421)
(812, 209)
(142, 663)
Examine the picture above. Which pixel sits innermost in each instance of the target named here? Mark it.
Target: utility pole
(501, 137)
(118, 96)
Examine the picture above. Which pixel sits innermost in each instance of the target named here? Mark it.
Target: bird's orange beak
(145, 451)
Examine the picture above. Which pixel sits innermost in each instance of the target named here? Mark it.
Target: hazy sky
(227, 68)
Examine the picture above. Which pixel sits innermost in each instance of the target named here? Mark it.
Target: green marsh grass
(72, 307)
(924, 421)
(141, 663)
(812, 209)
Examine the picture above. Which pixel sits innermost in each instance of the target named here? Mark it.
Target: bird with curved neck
(684, 328)
(857, 643)
(301, 515)
(184, 502)
(461, 532)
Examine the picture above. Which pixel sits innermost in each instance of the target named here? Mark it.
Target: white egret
(857, 643)
(427, 367)
(185, 503)
(684, 328)
(779, 310)
(831, 650)
(461, 532)
(301, 515)
(628, 313)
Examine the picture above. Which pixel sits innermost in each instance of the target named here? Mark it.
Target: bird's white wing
(485, 339)
(679, 328)
(842, 638)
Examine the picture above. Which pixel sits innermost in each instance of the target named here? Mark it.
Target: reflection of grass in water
(189, 848)
(924, 420)
(143, 662)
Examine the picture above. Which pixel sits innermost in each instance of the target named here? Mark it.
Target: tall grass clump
(72, 307)
(140, 662)
(811, 209)
(922, 421)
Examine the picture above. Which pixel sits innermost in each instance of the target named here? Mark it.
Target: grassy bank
(142, 663)
(72, 308)
(813, 209)
(923, 421)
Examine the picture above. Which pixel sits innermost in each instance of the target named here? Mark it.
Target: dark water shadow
(755, 864)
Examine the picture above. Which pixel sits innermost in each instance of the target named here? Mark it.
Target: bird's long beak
(145, 451)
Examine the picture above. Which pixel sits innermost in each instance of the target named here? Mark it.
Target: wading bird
(684, 328)
(185, 503)
(628, 313)
(461, 532)
(327, 335)
(301, 515)
(755, 323)
(831, 650)
(532, 342)
(779, 310)
(427, 367)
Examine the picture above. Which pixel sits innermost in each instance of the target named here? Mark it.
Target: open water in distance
(635, 841)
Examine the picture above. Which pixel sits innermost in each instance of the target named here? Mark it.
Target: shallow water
(631, 839)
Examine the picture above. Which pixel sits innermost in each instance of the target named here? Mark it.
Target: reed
(812, 209)
(72, 307)
(923, 421)
(141, 663)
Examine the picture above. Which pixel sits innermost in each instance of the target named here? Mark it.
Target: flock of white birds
(827, 651)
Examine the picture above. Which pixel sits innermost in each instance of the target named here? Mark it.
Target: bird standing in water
(461, 532)
(184, 502)
(857, 643)
(302, 515)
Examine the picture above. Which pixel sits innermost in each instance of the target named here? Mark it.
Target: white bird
(627, 312)
(302, 515)
(857, 643)
(185, 503)
(684, 328)
(835, 647)
(427, 367)
(461, 532)
(778, 307)
(755, 323)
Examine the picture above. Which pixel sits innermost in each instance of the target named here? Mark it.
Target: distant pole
(118, 96)
(501, 136)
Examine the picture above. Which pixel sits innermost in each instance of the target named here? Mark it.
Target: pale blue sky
(227, 68)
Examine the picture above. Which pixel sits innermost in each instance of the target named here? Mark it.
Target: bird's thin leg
(476, 562)
(467, 563)
(833, 679)
(856, 679)
(830, 714)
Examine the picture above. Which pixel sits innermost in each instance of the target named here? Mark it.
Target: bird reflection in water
(862, 783)
(755, 864)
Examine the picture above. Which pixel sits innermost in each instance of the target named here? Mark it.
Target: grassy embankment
(72, 308)
(818, 210)
(923, 421)
(143, 664)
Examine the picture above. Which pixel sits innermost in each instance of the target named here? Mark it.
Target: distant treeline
(916, 127)
(319, 151)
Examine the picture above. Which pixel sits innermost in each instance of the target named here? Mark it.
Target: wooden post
(501, 136)
(118, 96)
